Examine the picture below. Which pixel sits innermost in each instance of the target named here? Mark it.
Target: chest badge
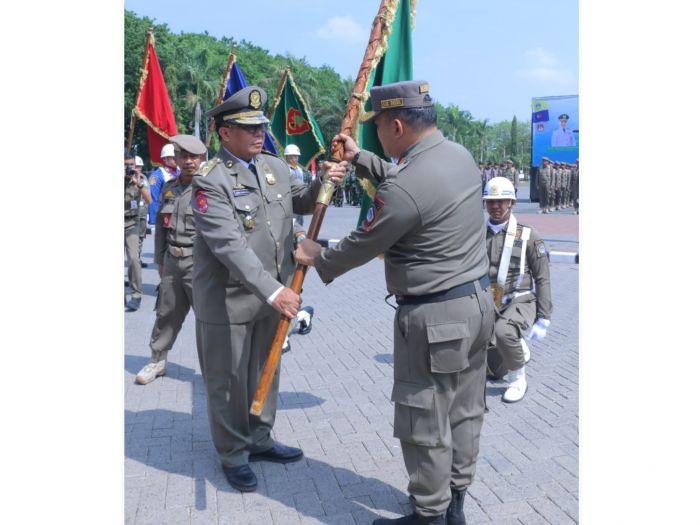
(249, 222)
(269, 176)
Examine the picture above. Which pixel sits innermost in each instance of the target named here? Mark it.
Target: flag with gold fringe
(392, 62)
(291, 122)
(153, 103)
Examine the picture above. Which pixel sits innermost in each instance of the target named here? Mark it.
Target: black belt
(458, 291)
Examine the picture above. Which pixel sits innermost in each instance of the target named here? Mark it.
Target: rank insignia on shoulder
(169, 194)
(540, 248)
(269, 176)
(206, 167)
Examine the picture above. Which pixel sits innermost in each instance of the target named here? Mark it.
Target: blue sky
(488, 57)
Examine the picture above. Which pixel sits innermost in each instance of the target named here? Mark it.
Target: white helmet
(138, 161)
(499, 188)
(167, 151)
(292, 149)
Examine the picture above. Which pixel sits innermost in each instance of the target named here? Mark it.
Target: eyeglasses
(253, 129)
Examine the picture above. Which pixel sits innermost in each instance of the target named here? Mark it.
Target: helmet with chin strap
(499, 188)
(292, 149)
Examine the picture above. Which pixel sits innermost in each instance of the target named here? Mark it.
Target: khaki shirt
(512, 175)
(545, 177)
(133, 201)
(427, 219)
(175, 219)
(244, 243)
(536, 267)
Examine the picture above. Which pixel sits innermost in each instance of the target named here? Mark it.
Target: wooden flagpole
(352, 112)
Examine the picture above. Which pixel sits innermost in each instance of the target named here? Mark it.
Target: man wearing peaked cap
(243, 201)
(427, 220)
(563, 137)
(174, 238)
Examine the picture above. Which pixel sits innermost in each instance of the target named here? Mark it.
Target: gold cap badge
(254, 100)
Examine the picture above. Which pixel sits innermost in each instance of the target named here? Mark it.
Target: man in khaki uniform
(519, 276)
(427, 220)
(243, 201)
(136, 195)
(143, 212)
(173, 254)
(544, 182)
(556, 186)
(565, 178)
(511, 174)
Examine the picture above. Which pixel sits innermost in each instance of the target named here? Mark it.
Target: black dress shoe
(241, 478)
(413, 519)
(133, 304)
(455, 512)
(279, 453)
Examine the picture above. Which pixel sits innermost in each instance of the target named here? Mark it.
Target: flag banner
(393, 62)
(236, 82)
(153, 104)
(291, 122)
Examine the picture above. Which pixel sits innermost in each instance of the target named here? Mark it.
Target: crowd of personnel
(557, 185)
(229, 233)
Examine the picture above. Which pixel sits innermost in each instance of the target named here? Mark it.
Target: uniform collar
(422, 145)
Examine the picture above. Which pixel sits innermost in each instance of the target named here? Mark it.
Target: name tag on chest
(241, 192)
(134, 205)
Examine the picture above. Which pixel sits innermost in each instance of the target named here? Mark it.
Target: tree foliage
(193, 65)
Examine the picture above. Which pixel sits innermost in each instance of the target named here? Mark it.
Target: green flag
(394, 63)
(292, 123)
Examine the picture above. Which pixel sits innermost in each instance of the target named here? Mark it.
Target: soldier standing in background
(174, 239)
(544, 181)
(565, 180)
(511, 174)
(136, 191)
(292, 154)
(143, 212)
(428, 223)
(556, 186)
(160, 176)
(519, 276)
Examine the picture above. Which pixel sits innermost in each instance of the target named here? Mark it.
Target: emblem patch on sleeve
(373, 214)
(200, 200)
(152, 181)
(540, 248)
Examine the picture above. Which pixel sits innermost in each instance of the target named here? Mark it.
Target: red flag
(153, 104)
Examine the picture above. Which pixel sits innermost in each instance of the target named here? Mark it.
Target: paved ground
(334, 403)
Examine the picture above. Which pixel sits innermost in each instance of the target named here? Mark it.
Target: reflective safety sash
(499, 288)
(524, 236)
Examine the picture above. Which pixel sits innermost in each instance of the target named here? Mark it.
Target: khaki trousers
(173, 304)
(544, 196)
(131, 245)
(512, 323)
(232, 357)
(439, 376)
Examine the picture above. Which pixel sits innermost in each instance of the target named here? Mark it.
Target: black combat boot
(455, 512)
(413, 519)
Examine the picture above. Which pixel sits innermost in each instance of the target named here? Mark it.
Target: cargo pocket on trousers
(415, 414)
(448, 347)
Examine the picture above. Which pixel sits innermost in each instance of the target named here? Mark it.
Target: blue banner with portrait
(555, 129)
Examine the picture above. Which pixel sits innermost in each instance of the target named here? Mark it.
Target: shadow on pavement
(173, 442)
(291, 400)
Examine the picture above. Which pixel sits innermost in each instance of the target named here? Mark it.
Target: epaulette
(209, 165)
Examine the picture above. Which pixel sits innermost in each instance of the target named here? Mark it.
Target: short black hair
(128, 155)
(417, 118)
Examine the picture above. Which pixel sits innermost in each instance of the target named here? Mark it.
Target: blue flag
(236, 82)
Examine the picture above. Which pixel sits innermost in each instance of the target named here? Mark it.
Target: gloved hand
(538, 330)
